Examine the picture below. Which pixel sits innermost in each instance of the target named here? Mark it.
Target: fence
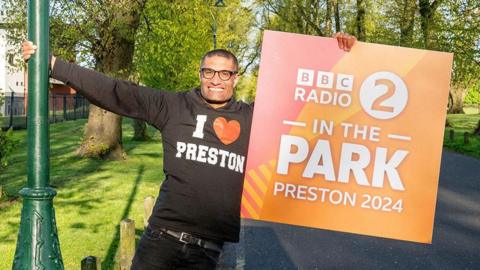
(62, 107)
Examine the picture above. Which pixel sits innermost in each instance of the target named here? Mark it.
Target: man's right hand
(28, 49)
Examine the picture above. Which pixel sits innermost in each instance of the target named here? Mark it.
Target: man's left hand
(345, 41)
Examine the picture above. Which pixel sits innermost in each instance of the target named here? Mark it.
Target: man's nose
(216, 78)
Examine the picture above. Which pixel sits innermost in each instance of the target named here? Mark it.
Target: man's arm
(118, 96)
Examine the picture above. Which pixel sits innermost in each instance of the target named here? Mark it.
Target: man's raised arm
(118, 96)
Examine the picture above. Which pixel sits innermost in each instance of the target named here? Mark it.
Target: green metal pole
(37, 245)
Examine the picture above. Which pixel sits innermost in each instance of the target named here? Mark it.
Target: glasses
(209, 73)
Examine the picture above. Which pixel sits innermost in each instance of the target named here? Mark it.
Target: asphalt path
(455, 244)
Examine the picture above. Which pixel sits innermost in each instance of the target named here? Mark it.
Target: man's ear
(235, 81)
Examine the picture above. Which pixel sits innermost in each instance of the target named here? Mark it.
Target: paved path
(456, 236)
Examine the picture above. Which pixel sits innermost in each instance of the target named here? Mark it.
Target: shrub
(7, 145)
(473, 96)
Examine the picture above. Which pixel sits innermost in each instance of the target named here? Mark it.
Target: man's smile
(215, 89)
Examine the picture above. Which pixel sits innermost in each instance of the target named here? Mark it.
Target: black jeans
(159, 252)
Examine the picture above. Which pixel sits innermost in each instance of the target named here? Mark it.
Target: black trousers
(159, 252)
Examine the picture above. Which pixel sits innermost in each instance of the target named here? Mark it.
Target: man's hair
(221, 53)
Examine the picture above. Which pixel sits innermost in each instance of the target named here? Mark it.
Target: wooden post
(127, 243)
(465, 138)
(148, 204)
(91, 263)
(452, 134)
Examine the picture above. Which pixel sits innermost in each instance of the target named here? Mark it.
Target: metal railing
(62, 107)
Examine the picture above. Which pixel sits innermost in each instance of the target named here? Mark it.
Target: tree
(460, 33)
(427, 13)
(112, 45)
(175, 35)
(338, 25)
(406, 21)
(170, 42)
(102, 34)
(313, 17)
(361, 10)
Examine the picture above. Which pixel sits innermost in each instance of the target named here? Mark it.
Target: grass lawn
(462, 123)
(93, 195)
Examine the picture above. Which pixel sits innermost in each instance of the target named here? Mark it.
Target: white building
(11, 79)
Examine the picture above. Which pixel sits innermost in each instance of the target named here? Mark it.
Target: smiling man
(205, 135)
(217, 90)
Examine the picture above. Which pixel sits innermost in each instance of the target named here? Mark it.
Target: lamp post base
(38, 247)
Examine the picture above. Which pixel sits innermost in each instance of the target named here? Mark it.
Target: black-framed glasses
(209, 73)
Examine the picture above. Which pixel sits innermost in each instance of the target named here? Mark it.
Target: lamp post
(37, 245)
(218, 3)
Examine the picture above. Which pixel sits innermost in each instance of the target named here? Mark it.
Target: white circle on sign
(383, 95)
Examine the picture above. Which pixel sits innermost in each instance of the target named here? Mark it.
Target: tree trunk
(140, 130)
(361, 10)
(407, 22)
(103, 135)
(427, 11)
(328, 19)
(457, 95)
(338, 27)
(113, 52)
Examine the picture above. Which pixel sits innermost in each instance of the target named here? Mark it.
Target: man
(205, 135)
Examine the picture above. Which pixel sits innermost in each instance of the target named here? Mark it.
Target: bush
(7, 145)
(473, 96)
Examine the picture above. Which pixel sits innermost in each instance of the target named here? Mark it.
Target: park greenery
(460, 124)
(159, 43)
(7, 142)
(7, 146)
(93, 195)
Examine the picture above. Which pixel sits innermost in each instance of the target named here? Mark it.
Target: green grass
(462, 123)
(93, 195)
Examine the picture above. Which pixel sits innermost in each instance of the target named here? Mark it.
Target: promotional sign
(347, 141)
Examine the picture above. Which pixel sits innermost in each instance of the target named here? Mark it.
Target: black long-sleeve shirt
(204, 149)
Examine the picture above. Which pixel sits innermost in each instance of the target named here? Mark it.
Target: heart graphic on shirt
(227, 131)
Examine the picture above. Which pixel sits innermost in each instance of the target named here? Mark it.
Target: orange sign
(347, 141)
